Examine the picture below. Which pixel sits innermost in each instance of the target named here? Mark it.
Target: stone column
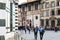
(50, 23)
(55, 22)
(44, 22)
(32, 20)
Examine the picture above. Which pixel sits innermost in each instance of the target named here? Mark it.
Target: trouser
(35, 35)
(25, 30)
(41, 35)
(29, 31)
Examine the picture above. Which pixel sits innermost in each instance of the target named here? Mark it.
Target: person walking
(35, 32)
(56, 29)
(28, 28)
(41, 31)
(25, 30)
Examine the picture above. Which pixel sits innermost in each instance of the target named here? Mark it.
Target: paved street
(49, 35)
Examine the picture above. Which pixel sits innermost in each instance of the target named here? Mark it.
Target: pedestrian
(25, 30)
(28, 29)
(56, 29)
(35, 32)
(41, 32)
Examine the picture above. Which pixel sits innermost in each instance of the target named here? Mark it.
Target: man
(35, 32)
(41, 31)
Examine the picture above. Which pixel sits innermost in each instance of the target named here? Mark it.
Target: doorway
(53, 23)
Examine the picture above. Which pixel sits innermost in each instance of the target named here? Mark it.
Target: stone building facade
(43, 12)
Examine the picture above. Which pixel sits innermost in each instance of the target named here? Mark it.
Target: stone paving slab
(48, 35)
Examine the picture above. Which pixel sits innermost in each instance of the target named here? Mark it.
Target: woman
(41, 31)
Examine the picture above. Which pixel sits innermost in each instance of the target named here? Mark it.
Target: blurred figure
(41, 31)
(25, 30)
(35, 32)
(56, 29)
(28, 29)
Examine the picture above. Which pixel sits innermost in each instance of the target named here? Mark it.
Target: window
(41, 6)
(52, 12)
(47, 22)
(2, 22)
(16, 29)
(16, 19)
(2, 38)
(58, 12)
(16, 3)
(16, 26)
(36, 17)
(52, 4)
(29, 8)
(2, 5)
(16, 22)
(23, 9)
(16, 6)
(47, 13)
(16, 16)
(16, 13)
(58, 3)
(42, 14)
(42, 22)
(15, 9)
(58, 22)
(36, 6)
(47, 5)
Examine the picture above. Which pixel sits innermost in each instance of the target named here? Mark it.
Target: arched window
(36, 17)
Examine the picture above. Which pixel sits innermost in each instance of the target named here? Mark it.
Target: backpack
(41, 30)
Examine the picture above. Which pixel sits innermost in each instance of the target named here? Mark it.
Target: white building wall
(33, 19)
(14, 16)
(8, 14)
(5, 15)
(36, 22)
